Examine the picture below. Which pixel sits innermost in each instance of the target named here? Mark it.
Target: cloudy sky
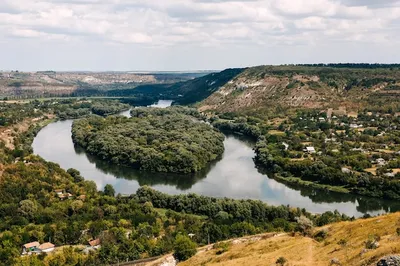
(194, 34)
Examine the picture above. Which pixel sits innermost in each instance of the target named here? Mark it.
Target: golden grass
(276, 132)
(371, 170)
(386, 151)
(352, 114)
(396, 170)
(300, 250)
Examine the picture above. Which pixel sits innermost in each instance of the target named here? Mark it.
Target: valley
(288, 150)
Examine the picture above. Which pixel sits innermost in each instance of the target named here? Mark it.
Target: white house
(30, 247)
(380, 161)
(46, 247)
(346, 170)
(310, 150)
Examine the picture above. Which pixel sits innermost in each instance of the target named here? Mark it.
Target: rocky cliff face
(300, 87)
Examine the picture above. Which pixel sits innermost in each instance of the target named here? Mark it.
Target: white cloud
(191, 24)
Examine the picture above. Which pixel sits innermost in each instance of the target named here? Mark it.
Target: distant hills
(260, 88)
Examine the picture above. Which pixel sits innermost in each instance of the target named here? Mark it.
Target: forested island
(153, 139)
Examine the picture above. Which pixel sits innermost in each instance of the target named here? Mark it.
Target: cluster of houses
(37, 248)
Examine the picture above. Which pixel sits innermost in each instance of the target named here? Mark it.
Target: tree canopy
(157, 140)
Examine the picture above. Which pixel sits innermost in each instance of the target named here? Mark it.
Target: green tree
(28, 208)
(109, 190)
(184, 248)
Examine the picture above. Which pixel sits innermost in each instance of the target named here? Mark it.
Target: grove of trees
(157, 140)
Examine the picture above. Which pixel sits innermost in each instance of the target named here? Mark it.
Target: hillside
(265, 87)
(187, 92)
(20, 85)
(345, 243)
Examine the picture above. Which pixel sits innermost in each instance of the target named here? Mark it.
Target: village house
(62, 195)
(358, 149)
(46, 247)
(310, 150)
(37, 248)
(92, 246)
(330, 140)
(391, 175)
(354, 126)
(380, 161)
(59, 192)
(95, 243)
(30, 247)
(346, 170)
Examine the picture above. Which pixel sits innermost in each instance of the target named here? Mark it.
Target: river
(233, 176)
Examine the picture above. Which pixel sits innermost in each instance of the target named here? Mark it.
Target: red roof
(31, 245)
(46, 246)
(95, 242)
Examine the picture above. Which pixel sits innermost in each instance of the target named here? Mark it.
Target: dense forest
(158, 140)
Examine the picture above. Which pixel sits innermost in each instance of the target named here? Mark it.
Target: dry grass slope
(300, 250)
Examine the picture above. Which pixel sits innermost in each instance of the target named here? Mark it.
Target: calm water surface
(233, 176)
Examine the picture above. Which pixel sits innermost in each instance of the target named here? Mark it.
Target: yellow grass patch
(300, 250)
(352, 114)
(371, 170)
(396, 171)
(276, 132)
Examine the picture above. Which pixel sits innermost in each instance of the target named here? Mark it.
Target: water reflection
(179, 181)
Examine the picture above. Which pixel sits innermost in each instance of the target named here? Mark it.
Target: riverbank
(309, 184)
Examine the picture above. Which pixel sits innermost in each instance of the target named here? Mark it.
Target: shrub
(372, 242)
(281, 261)
(222, 247)
(342, 242)
(321, 235)
(184, 248)
(305, 225)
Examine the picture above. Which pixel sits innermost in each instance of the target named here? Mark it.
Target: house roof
(46, 246)
(95, 242)
(31, 245)
(58, 190)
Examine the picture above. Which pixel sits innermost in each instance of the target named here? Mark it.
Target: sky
(124, 35)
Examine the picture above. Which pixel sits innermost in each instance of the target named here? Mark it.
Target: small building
(390, 175)
(46, 247)
(330, 140)
(62, 195)
(95, 244)
(59, 192)
(30, 247)
(380, 161)
(346, 170)
(310, 150)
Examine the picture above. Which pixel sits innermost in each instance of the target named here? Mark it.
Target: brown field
(299, 250)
